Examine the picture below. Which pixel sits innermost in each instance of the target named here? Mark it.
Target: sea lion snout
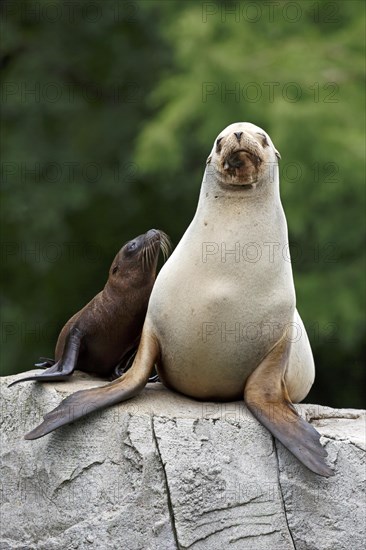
(143, 251)
(153, 233)
(159, 240)
(243, 156)
(241, 142)
(239, 158)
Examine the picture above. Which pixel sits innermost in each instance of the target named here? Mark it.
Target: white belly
(215, 320)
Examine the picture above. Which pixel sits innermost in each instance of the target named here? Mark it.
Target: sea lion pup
(222, 322)
(100, 337)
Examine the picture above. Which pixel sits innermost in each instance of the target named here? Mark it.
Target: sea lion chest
(223, 299)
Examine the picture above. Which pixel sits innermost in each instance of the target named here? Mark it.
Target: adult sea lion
(222, 322)
(101, 337)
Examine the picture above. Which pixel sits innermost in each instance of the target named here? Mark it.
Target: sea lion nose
(238, 135)
(152, 233)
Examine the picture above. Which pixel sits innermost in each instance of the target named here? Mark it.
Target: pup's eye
(115, 269)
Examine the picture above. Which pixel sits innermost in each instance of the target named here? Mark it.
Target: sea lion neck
(216, 196)
(128, 282)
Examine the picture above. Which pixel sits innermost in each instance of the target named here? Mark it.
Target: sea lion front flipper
(84, 402)
(267, 398)
(125, 363)
(63, 368)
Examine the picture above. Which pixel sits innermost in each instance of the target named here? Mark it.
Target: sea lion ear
(277, 154)
(209, 159)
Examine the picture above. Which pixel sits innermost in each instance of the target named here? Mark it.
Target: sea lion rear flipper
(63, 368)
(84, 402)
(267, 398)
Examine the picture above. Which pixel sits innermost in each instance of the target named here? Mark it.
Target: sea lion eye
(218, 141)
(115, 269)
(264, 139)
(131, 247)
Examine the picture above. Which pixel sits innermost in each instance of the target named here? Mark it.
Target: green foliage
(127, 101)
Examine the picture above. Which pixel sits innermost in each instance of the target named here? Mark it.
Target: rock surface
(162, 472)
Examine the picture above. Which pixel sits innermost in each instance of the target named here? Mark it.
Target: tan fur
(209, 294)
(192, 296)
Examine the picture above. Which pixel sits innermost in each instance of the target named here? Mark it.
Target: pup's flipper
(267, 398)
(65, 366)
(84, 402)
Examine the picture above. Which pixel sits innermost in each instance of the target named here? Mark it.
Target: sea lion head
(137, 260)
(243, 156)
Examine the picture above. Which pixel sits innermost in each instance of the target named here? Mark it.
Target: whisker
(150, 250)
(165, 245)
(147, 256)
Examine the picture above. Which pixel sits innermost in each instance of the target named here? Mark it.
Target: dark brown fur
(105, 332)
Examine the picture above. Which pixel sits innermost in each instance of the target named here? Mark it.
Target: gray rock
(163, 471)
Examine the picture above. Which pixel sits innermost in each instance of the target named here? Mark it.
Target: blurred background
(110, 109)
